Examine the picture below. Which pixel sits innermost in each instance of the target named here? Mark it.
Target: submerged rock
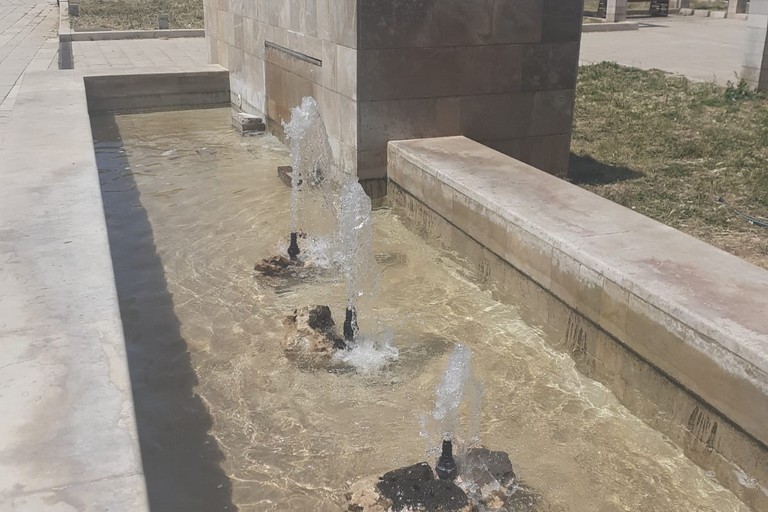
(278, 266)
(311, 332)
(410, 489)
(487, 482)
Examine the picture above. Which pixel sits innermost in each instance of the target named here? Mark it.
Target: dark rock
(483, 466)
(320, 318)
(285, 173)
(277, 266)
(311, 333)
(415, 487)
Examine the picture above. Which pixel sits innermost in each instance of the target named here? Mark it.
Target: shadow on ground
(585, 170)
(182, 461)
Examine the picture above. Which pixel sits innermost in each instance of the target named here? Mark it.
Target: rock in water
(311, 332)
(484, 467)
(277, 266)
(413, 489)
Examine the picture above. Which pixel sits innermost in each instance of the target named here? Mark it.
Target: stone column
(736, 7)
(755, 70)
(616, 10)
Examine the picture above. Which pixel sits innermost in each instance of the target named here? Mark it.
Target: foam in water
(369, 354)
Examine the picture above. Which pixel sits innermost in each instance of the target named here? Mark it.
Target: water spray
(293, 248)
(446, 465)
(350, 324)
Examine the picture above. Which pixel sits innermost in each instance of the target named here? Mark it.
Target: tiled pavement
(139, 53)
(28, 42)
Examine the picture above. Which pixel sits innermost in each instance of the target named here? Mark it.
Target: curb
(610, 27)
(116, 35)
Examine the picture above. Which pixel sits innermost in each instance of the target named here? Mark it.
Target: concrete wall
(502, 72)
(675, 327)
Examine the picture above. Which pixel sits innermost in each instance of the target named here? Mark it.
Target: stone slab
(118, 35)
(68, 431)
(695, 313)
(147, 88)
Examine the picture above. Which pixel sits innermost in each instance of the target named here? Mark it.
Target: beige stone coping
(68, 437)
(696, 313)
(119, 35)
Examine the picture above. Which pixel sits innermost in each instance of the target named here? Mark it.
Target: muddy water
(226, 421)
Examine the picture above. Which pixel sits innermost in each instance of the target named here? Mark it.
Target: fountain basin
(674, 326)
(69, 430)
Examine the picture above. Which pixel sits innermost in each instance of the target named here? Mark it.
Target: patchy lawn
(671, 149)
(136, 14)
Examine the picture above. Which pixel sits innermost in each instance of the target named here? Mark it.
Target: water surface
(227, 421)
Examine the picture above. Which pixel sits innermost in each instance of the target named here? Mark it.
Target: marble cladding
(502, 72)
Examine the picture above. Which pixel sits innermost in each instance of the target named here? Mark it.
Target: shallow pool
(227, 422)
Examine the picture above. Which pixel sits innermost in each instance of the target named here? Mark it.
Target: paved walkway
(702, 49)
(139, 53)
(28, 42)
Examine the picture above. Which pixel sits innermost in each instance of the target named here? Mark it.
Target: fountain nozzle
(350, 324)
(446, 466)
(293, 248)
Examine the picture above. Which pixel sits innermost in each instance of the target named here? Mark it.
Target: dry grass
(137, 14)
(669, 149)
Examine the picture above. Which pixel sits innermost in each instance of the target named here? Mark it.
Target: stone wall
(502, 72)
(250, 38)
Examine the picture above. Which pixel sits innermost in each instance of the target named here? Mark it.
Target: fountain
(270, 434)
(355, 241)
(323, 195)
(477, 480)
(313, 173)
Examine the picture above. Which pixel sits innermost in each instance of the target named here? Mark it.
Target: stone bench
(695, 314)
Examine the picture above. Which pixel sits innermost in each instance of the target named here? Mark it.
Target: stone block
(382, 121)
(552, 112)
(720, 15)
(329, 67)
(372, 164)
(428, 23)
(403, 73)
(238, 36)
(489, 69)
(247, 123)
(342, 22)
(348, 120)
(562, 20)
(347, 72)
(550, 153)
(496, 116)
(520, 21)
(550, 66)
(448, 116)
(686, 11)
(701, 13)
